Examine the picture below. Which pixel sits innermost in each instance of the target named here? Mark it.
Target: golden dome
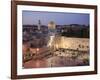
(51, 25)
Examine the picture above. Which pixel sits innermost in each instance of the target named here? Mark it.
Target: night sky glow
(60, 18)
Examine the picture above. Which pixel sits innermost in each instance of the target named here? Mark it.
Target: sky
(60, 18)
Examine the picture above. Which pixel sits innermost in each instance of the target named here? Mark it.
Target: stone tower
(39, 24)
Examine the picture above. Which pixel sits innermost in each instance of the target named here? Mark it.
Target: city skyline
(32, 17)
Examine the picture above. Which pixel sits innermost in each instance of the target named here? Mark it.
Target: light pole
(37, 50)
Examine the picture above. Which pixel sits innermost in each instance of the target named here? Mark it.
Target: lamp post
(37, 50)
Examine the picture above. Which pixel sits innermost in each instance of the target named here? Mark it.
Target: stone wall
(71, 43)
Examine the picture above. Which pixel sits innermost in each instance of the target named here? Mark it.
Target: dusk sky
(32, 17)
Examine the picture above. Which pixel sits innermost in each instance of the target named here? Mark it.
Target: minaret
(39, 24)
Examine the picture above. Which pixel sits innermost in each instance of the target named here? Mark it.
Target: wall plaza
(53, 49)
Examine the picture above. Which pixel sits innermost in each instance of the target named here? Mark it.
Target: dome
(51, 25)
